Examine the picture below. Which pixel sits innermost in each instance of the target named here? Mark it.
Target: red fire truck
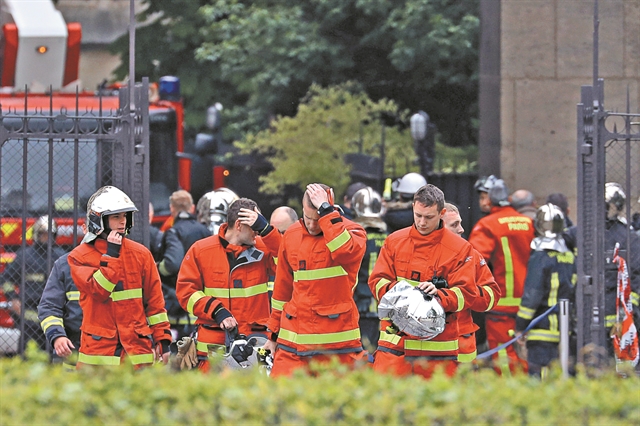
(39, 77)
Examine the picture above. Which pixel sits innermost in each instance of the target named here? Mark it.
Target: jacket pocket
(142, 330)
(98, 331)
(289, 311)
(332, 311)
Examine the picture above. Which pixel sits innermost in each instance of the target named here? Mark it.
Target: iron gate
(608, 151)
(51, 161)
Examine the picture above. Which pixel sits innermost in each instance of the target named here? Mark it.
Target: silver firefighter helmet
(485, 183)
(367, 202)
(213, 206)
(106, 201)
(549, 224)
(411, 312)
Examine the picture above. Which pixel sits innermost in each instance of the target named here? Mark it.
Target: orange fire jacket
(120, 296)
(503, 238)
(313, 310)
(408, 255)
(206, 281)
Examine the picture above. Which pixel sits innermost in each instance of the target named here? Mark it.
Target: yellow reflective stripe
(141, 359)
(236, 292)
(458, 293)
(158, 318)
(31, 315)
(553, 322)
(503, 362)
(50, 322)
(428, 345)
(162, 268)
(373, 256)
(339, 241)
(209, 347)
(467, 357)
(193, 299)
(381, 283)
(103, 282)
(320, 338)
(610, 320)
(412, 282)
(553, 292)
(394, 339)
(275, 260)
(509, 301)
(98, 359)
(635, 298)
(134, 293)
(508, 269)
(35, 277)
(544, 335)
(270, 285)
(73, 296)
(318, 274)
(492, 297)
(526, 313)
(278, 305)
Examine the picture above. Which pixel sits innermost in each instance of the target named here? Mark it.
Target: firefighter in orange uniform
(120, 291)
(439, 262)
(488, 292)
(313, 314)
(503, 238)
(223, 278)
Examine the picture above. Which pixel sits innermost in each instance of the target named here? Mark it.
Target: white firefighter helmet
(243, 353)
(213, 206)
(410, 183)
(367, 202)
(614, 198)
(412, 312)
(41, 226)
(485, 183)
(549, 224)
(106, 201)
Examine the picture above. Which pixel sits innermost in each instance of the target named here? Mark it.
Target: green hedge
(34, 392)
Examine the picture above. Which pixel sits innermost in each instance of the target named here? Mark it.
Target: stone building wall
(546, 55)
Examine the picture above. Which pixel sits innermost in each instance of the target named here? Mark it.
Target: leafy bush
(34, 392)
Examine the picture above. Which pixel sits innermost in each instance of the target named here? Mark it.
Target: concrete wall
(546, 55)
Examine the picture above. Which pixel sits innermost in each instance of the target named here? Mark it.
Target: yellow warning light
(226, 173)
(42, 49)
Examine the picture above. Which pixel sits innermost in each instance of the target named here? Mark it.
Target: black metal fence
(52, 159)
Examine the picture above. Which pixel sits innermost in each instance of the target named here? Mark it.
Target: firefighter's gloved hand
(261, 225)
(439, 282)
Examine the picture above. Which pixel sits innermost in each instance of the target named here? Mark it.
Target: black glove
(261, 225)
(439, 282)
(113, 249)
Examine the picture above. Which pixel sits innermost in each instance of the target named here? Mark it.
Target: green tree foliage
(259, 58)
(330, 123)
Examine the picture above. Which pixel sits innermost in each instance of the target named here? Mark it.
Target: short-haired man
(313, 314)
(223, 278)
(175, 242)
(422, 254)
